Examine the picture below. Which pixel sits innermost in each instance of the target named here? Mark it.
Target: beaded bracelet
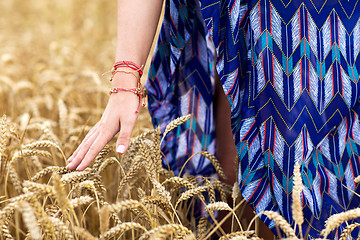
(137, 91)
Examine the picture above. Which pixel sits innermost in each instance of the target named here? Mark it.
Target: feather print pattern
(290, 72)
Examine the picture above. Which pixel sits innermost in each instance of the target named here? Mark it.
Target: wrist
(122, 79)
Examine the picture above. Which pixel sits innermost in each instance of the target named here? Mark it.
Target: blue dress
(289, 70)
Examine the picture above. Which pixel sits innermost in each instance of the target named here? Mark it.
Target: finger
(123, 140)
(89, 135)
(94, 150)
(82, 151)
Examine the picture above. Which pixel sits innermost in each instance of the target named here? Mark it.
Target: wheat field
(52, 56)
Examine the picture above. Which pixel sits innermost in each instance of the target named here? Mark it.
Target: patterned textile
(290, 71)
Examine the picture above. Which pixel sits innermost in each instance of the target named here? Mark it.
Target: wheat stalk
(357, 179)
(75, 177)
(165, 230)
(182, 182)
(296, 197)
(281, 222)
(347, 231)
(6, 232)
(336, 220)
(190, 193)
(60, 227)
(215, 162)
(218, 206)
(175, 123)
(41, 144)
(83, 233)
(29, 152)
(120, 228)
(201, 228)
(44, 172)
(3, 143)
(159, 201)
(40, 188)
(30, 220)
(14, 178)
(60, 192)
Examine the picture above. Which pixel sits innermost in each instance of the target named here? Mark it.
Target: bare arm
(136, 27)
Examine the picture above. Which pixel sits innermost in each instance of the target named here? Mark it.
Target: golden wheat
(336, 220)
(281, 222)
(30, 220)
(46, 112)
(296, 206)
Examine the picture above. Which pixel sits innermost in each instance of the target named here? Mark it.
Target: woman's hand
(136, 27)
(119, 115)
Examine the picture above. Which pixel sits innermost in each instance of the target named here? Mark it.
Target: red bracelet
(137, 91)
(128, 64)
(127, 72)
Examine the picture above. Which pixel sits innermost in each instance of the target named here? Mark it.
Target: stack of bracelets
(139, 90)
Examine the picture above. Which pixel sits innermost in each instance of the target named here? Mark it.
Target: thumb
(123, 140)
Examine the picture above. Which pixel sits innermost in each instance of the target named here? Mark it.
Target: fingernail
(120, 149)
(77, 169)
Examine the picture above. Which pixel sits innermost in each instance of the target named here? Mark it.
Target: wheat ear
(61, 228)
(174, 123)
(82, 200)
(190, 193)
(215, 162)
(40, 188)
(281, 222)
(60, 192)
(44, 172)
(29, 152)
(296, 197)
(3, 143)
(120, 228)
(336, 220)
(357, 179)
(347, 231)
(84, 234)
(158, 201)
(165, 230)
(30, 220)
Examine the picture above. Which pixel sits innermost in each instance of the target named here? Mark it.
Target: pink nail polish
(120, 149)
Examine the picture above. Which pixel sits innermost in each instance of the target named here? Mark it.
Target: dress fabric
(290, 71)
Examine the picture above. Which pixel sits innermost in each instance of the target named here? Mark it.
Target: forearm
(136, 28)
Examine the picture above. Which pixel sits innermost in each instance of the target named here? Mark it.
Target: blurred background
(52, 56)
